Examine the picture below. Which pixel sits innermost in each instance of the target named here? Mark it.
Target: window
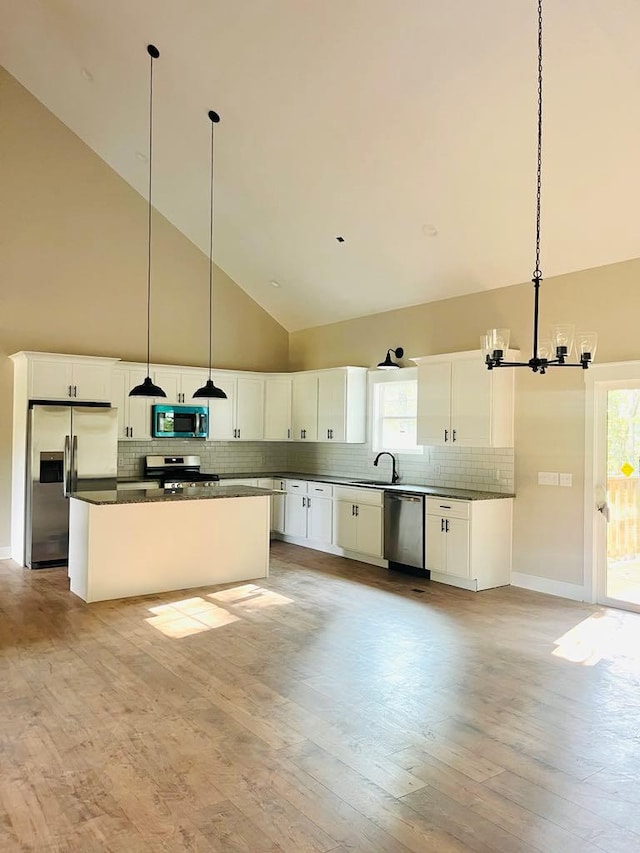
(394, 413)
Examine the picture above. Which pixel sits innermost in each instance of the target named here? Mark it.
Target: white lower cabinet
(468, 543)
(358, 521)
(308, 511)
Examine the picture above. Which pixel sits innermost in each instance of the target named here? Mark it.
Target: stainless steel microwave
(179, 421)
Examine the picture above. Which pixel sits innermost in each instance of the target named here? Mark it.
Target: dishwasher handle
(412, 498)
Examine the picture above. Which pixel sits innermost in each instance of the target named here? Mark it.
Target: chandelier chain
(537, 275)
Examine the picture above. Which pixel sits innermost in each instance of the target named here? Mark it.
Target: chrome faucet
(394, 474)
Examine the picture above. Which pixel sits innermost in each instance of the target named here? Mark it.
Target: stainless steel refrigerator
(70, 448)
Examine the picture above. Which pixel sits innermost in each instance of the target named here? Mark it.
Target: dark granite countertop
(112, 497)
(410, 488)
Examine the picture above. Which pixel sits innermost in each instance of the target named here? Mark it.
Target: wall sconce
(387, 364)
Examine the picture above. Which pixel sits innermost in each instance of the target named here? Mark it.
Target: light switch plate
(547, 478)
(566, 479)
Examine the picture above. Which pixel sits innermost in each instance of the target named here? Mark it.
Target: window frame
(376, 379)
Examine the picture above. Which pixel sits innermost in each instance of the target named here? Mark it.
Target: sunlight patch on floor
(605, 636)
(249, 596)
(189, 616)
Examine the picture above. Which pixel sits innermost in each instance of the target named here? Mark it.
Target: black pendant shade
(210, 391)
(388, 364)
(147, 388)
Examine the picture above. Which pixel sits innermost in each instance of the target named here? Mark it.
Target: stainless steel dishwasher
(404, 530)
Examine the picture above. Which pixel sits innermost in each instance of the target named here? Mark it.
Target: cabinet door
(319, 519)
(471, 403)
(191, 380)
(120, 400)
(92, 381)
(222, 412)
(277, 409)
(295, 516)
(344, 525)
(304, 407)
(332, 398)
(369, 530)
(138, 408)
(434, 546)
(434, 403)
(169, 381)
(456, 540)
(249, 409)
(50, 380)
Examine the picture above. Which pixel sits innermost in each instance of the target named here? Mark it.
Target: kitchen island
(142, 541)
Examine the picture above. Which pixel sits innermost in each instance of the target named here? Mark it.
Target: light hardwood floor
(333, 707)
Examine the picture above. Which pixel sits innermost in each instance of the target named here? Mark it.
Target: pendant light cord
(149, 222)
(211, 254)
(538, 273)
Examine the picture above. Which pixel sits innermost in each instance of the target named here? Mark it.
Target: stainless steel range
(176, 472)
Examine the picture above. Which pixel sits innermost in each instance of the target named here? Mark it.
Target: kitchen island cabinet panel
(125, 549)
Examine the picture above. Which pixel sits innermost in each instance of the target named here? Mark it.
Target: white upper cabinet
(277, 408)
(304, 407)
(342, 396)
(179, 384)
(66, 377)
(461, 403)
(134, 413)
(241, 415)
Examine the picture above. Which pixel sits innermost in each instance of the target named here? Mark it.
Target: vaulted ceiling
(407, 127)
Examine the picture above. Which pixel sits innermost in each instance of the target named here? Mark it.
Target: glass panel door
(622, 580)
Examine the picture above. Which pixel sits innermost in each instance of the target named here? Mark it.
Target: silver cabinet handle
(308, 503)
(304, 502)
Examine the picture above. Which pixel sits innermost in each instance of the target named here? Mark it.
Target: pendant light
(209, 390)
(148, 389)
(553, 351)
(388, 364)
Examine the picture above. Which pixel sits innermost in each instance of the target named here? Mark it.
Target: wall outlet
(547, 478)
(566, 479)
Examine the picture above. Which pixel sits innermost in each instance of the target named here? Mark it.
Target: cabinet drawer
(296, 487)
(447, 507)
(323, 490)
(368, 497)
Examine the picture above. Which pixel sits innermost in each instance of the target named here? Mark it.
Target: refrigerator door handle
(74, 464)
(66, 466)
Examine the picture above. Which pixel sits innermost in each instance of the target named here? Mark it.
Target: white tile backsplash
(458, 467)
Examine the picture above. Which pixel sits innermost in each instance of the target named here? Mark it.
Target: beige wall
(73, 268)
(549, 429)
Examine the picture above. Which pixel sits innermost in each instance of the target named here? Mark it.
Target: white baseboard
(5, 552)
(574, 591)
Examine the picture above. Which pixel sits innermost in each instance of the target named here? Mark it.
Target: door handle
(353, 509)
(288, 433)
(304, 502)
(453, 435)
(357, 510)
(446, 435)
(66, 465)
(70, 394)
(446, 526)
(442, 525)
(604, 509)
(74, 463)
(308, 503)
